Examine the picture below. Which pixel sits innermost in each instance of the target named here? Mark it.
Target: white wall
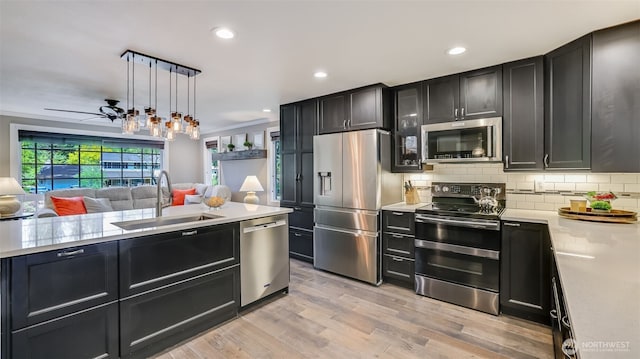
(536, 190)
(185, 159)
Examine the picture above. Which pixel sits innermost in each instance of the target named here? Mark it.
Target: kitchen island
(80, 286)
(599, 269)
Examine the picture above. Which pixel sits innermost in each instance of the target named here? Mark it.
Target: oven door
(472, 267)
(463, 141)
(467, 232)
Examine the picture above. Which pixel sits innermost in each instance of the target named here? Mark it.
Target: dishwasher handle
(264, 226)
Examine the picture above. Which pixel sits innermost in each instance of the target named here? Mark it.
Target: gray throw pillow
(192, 199)
(97, 205)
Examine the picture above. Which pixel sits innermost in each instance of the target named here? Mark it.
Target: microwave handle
(462, 112)
(455, 113)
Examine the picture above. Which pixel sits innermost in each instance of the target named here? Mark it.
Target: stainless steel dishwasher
(264, 257)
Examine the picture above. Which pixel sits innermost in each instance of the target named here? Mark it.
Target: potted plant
(231, 146)
(248, 145)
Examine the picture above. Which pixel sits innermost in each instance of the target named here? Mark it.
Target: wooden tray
(615, 216)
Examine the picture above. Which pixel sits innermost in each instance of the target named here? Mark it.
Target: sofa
(125, 198)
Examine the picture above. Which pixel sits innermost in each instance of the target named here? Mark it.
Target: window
(55, 161)
(212, 147)
(275, 166)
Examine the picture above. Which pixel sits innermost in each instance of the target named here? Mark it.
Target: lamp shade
(251, 184)
(9, 186)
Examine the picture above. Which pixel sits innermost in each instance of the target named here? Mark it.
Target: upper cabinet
(408, 119)
(568, 106)
(357, 109)
(470, 95)
(615, 142)
(523, 119)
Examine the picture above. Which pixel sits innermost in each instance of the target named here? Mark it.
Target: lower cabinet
(399, 269)
(90, 333)
(160, 318)
(525, 280)
(301, 244)
(398, 261)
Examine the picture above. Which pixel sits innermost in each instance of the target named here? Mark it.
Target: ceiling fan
(110, 111)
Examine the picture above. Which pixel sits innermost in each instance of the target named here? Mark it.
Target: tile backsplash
(535, 190)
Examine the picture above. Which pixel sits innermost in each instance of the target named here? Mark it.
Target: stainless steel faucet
(159, 205)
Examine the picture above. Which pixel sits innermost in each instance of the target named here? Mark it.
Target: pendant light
(176, 117)
(155, 129)
(195, 132)
(150, 112)
(187, 118)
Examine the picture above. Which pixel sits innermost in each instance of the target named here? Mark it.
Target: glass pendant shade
(176, 122)
(169, 134)
(195, 132)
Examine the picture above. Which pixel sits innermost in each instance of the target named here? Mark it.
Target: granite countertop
(599, 269)
(35, 235)
(403, 207)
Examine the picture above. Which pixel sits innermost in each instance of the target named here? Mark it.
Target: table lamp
(251, 185)
(9, 188)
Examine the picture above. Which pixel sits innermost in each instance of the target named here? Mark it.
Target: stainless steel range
(457, 245)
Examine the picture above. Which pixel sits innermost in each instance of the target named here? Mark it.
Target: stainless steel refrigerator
(352, 182)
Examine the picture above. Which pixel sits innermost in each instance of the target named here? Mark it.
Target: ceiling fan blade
(86, 113)
(92, 118)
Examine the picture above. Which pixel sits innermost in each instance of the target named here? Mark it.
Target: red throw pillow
(66, 206)
(178, 195)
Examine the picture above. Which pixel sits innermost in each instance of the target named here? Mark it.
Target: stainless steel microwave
(463, 141)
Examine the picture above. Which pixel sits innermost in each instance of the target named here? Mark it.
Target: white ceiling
(66, 55)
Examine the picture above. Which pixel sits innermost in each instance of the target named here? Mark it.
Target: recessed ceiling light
(456, 50)
(320, 74)
(266, 110)
(223, 32)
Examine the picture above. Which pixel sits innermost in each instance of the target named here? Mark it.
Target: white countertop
(599, 268)
(18, 237)
(403, 207)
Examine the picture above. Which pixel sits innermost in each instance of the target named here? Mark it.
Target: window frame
(271, 172)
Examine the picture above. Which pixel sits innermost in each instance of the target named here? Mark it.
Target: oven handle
(494, 226)
(476, 252)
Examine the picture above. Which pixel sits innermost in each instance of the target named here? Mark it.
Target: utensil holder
(411, 196)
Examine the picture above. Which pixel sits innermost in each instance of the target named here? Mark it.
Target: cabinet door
(288, 128)
(481, 93)
(333, 113)
(161, 318)
(442, 99)
(305, 179)
(616, 99)
(301, 217)
(88, 334)
(408, 120)
(523, 121)
(365, 109)
(398, 222)
(524, 277)
(301, 244)
(150, 262)
(289, 179)
(568, 106)
(400, 245)
(52, 284)
(306, 125)
(399, 269)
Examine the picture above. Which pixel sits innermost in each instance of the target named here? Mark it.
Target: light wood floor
(327, 316)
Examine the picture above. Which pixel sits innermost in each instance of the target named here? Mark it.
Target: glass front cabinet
(408, 119)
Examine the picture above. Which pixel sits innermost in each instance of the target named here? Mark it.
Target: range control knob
(445, 189)
(436, 188)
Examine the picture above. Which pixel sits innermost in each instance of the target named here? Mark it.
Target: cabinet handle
(565, 322)
(398, 213)
(396, 259)
(462, 112)
(506, 161)
(546, 160)
(553, 313)
(349, 123)
(511, 224)
(297, 208)
(455, 113)
(297, 234)
(397, 236)
(70, 253)
(344, 124)
(190, 233)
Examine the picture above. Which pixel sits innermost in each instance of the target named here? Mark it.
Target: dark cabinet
(150, 262)
(398, 260)
(615, 141)
(524, 273)
(90, 333)
(301, 233)
(470, 95)
(568, 106)
(523, 119)
(297, 123)
(357, 109)
(52, 284)
(168, 315)
(408, 120)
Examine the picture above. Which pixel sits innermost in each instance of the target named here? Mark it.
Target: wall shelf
(239, 155)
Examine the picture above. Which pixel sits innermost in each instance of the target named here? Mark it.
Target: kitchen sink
(163, 221)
